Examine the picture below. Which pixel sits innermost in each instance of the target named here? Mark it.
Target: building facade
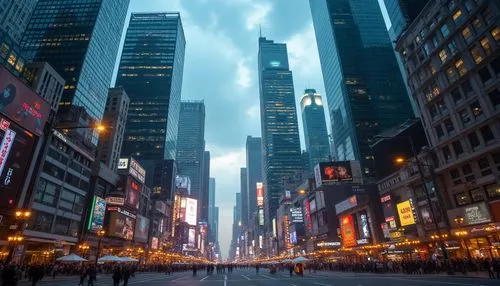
(363, 84)
(212, 226)
(401, 13)
(452, 57)
(153, 60)
(80, 40)
(191, 144)
(14, 17)
(280, 132)
(254, 171)
(315, 132)
(205, 187)
(244, 196)
(46, 82)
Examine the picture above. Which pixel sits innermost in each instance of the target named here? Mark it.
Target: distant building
(315, 132)
(254, 172)
(244, 196)
(205, 187)
(211, 209)
(14, 17)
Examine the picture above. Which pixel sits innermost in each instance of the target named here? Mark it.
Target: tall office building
(244, 196)
(80, 40)
(254, 171)
(211, 209)
(314, 124)
(280, 132)
(401, 13)
(365, 91)
(150, 71)
(191, 144)
(14, 17)
(216, 220)
(205, 187)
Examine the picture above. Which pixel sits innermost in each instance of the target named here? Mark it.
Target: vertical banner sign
(406, 213)
(5, 146)
(260, 195)
(347, 231)
(307, 211)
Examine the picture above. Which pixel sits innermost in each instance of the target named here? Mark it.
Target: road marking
(204, 278)
(247, 278)
(271, 278)
(429, 281)
(225, 280)
(179, 278)
(317, 283)
(293, 285)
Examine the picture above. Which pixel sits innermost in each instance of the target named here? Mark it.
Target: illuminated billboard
(21, 104)
(132, 193)
(261, 217)
(296, 214)
(121, 223)
(183, 184)
(134, 168)
(191, 211)
(191, 237)
(330, 172)
(406, 213)
(97, 212)
(347, 231)
(141, 229)
(260, 194)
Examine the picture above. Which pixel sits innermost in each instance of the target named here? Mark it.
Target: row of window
(484, 168)
(488, 192)
(42, 221)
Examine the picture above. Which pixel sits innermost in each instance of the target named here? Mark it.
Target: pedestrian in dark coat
(117, 276)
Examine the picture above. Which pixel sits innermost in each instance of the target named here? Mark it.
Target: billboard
(296, 214)
(115, 201)
(97, 212)
(154, 242)
(183, 184)
(347, 231)
(16, 150)
(132, 193)
(21, 104)
(365, 228)
(191, 211)
(329, 172)
(406, 213)
(261, 217)
(141, 229)
(191, 237)
(121, 223)
(134, 168)
(307, 212)
(472, 214)
(260, 194)
(350, 203)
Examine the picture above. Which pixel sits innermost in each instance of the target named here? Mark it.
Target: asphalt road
(248, 277)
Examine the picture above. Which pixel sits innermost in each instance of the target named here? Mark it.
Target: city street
(248, 277)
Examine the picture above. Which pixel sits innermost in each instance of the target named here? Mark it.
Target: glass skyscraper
(150, 71)
(280, 132)
(315, 132)
(401, 13)
(191, 145)
(364, 87)
(254, 172)
(80, 40)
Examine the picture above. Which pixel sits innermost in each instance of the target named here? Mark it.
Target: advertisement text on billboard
(296, 214)
(406, 213)
(260, 194)
(347, 231)
(98, 210)
(191, 211)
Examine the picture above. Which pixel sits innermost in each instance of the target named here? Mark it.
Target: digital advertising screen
(121, 224)
(16, 150)
(348, 232)
(406, 213)
(133, 193)
(260, 194)
(329, 172)
(141, 229)
(98, 211)
(191, 211)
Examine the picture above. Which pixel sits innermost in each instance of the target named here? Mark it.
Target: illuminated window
(476, 109)
(444, 30)
(452, 74)
(467, 34)
(12, 58)
(459, 64)
(495, 33)
(476, 55)
(457, 15)
(443, 55)
(485, 43)
(462, 199)
(477, 24)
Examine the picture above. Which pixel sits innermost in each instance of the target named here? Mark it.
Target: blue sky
(221, 68)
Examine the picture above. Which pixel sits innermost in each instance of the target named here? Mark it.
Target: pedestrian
(83, 274)
(496, 267)
(117, 276)
(291, 270)
(92, 272)
(126, 276)
(194, 270)
(488, 265)
(11, 275)
(257, 269)
(36, 273)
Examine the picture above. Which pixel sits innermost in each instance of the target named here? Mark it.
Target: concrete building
(46, 82)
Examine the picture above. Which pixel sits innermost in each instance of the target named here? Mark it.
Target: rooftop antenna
(260, 30)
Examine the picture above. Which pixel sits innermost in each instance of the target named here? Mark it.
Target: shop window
(457, 147)
(476, 110)
(492, 191)
(462, 199)
(487, 134)
(485, 43)
(443, 55)
(439, 131)
(447, 153)
(494, 97)
(476, 55)
(477, 195)
(456, 95)
(484, 74)
(495, 33)
(474, 140)
(457, 15)
(444, 30)
(467, 34)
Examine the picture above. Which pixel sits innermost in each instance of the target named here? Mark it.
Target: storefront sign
(296, 214)
(137, 171)
(346, 205)
(329, 244)
(406, 213)
(472, 214)
(396, 234)
(115, 201)
(385, 198)
(347, 231)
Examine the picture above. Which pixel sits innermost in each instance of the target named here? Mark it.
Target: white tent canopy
(71, 258)
(300, 259)
(128, 259)
(109, 258)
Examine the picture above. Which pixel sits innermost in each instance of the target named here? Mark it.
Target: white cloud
(254, 111)
(303, 52)
(257, 16)
(243, 74)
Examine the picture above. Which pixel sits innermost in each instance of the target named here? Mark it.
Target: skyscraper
(280, 132)
(205, 187)
(254, 171)
(211, 209)
(365, 90)
(191, 144)
(80, 40)
(401, 13)
(14, 17)
(315, 132)
(244, 196)
(153, 61)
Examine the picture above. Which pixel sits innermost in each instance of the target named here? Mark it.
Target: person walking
(126, 276)
(291, 270)
(488, 265)
(117, 276)
(83, 274)
(92, 272)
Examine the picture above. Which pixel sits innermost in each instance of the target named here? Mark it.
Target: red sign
(347, 231)
(21, 104)
(5, 146)
(385, 198)
(307, 211)
(260, 195)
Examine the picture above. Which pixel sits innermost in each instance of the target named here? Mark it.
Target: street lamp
(100, 233)
(84, 247)
(459, 220)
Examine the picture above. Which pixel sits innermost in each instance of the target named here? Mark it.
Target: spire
(260, 30)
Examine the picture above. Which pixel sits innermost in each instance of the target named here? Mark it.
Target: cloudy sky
(221, 68)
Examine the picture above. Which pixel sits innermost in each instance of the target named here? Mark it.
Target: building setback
(280, 132)
(363, 84)
(80, 40)
(153, 61)
(315, 132)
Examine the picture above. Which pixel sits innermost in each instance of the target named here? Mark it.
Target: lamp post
(459, 220)
(84, 247)
(17, 238)
(100, 233)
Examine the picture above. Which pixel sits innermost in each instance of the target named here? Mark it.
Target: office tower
(254, 171)
(363, 84)
(150, 71)
(80, 40)
(401, 13)
(114, 120)
(191, 143)
(205, 187)
(454, 76)
(315, 132)
(280, 132)
(244, 196)
(46, 82)
(211, 208)
(234, 249)
(216, 220)
(14, 17)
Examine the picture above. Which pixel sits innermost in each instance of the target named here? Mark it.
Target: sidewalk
(479, 274)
